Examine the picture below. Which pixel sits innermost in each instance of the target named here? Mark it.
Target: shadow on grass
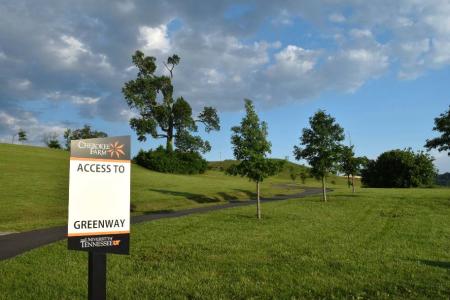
(158, 212)
(247, 193)
(199, 198)
(434, 263)
(227, 197)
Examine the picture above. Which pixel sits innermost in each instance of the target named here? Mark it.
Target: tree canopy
(320, 146)
(442, 125)
(159, 114)
(250, 148)
(82, 133)
(351, 165)
(22, 134)
(399, 169)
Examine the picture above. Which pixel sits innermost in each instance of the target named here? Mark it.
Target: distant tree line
(400, 169)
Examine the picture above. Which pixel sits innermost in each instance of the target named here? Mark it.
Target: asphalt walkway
(17, 243)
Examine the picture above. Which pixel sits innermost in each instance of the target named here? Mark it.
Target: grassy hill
(34, 188)
(377, 244)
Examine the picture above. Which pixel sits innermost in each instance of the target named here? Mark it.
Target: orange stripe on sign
(96, 233)
(100, 159)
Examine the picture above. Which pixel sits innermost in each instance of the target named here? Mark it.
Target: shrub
(399, 168)
(164, 161)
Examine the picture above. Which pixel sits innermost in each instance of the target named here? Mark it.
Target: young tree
(321, 146)
(350, 164)
(441, 124)
(51, 141)
(250, 147)
(303, 176)
(22, 134)
(82, 133)
(292, 173)
(167, 118)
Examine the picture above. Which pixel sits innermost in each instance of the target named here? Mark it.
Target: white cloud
(361, 33)
(125, 7)
(85, 100)
(442, 161)
(293, 61)
(75, 99)
(154, 38)
(70, 50)
(336, 18)
(20, 84)
(72, 53)
(88, 53)
(35, 130)
(350, 68)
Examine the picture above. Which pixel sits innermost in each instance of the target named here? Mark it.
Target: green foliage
(292, 173)
(164, 161)
(304, 174)
(51, 141)
(54, 144)
(22, 134)
(321, 144)
(441, 124)
(295, 172)
(167, 118)
(250, 147)
(349, 164)
(82, 133)
(400, 168)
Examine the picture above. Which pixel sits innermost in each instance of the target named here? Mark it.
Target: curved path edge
(17, 243)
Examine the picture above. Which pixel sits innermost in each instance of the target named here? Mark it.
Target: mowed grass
(377, 244)
(34, 185)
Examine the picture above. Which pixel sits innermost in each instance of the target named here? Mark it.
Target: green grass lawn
(34, 188)
(379, 244)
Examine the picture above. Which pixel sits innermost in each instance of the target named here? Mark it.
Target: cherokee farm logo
(116, 149)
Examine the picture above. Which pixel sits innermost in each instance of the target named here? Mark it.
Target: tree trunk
(348, 180)
(324, 190)
(169, 141)
(353, 183)
(258, 204)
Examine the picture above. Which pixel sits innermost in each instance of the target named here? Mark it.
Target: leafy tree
(51, 140)
(292, 173)
(321, 146)
(159, 114)
(441, 124)
(82, 133)
(250, 148)
(351, 165)
(303, 176)
(22, 134)
(399, 169)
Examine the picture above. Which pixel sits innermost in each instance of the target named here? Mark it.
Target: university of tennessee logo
(116, 150)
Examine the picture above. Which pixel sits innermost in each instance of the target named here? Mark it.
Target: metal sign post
(97, 276)
(99, 204)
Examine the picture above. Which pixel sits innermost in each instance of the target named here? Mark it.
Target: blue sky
(380, 68)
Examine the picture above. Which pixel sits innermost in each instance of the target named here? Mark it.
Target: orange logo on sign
(116, 150)
(116, 242)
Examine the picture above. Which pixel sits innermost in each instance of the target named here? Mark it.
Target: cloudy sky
(381, 67)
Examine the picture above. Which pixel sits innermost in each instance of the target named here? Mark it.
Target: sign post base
(97, 276)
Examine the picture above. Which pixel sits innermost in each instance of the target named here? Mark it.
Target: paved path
(18, 243)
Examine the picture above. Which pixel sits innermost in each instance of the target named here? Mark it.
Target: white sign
(99, 195)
